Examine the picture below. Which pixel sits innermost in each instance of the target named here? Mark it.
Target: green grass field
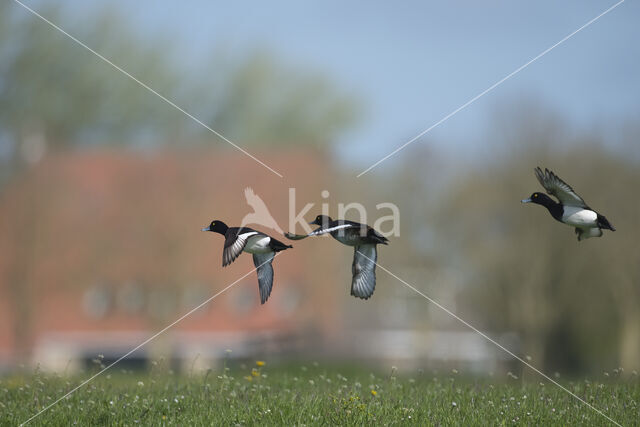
(313, 395)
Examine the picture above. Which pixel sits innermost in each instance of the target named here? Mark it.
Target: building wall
(101, 249)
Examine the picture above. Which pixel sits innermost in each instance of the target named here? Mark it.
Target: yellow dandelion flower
(374, 393)
(255, 373)
(260, 363)
(248, 378)
(164, 417)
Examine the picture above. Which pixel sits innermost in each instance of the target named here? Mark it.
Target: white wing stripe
(329, 230)
(245, 235)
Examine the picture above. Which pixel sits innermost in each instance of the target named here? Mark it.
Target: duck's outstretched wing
(265, 274)
(558, 188)
(234, 244)
(364, 271)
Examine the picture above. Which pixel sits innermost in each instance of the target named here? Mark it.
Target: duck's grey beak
(527, 200)
(312, 223)
(205, 229)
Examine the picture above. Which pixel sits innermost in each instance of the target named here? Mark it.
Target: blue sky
(413, 64)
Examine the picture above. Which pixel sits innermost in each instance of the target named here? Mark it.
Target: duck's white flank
(579, 217)
(258, 244)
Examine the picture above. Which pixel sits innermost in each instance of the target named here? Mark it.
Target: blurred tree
(55, 95)
(574, 305)
(469, 243)
(262, 101)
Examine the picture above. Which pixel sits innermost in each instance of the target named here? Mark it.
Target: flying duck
(364, 240)
(244, 239)
(571, 210)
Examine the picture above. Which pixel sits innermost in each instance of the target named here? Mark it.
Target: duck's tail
(604, 223)
(379, 238)
(278, 246)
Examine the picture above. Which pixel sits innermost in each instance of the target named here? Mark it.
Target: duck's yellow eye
(535, 195)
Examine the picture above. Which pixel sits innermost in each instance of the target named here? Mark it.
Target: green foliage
(313, 395)
(512, 270)
(258, 100)
(53, 88)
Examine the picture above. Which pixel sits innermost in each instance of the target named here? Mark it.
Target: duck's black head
(321, 220)
(554, 208)
(217, 227)
(540, 199)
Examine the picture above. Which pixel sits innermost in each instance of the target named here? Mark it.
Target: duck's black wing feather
(235, 240)
(558, 188)
(277, 245)
(265, 274)
(364, 271)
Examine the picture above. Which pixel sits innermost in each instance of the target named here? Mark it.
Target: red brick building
(101, 249)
